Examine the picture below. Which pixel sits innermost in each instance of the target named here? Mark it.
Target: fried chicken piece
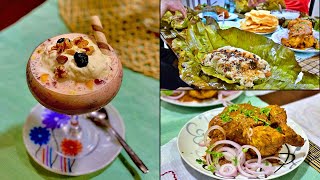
(264, 128)
(299, 27)
(202, 94)
(300, 35)
(277, 114)
(198, 95)
(268, 140)
(278, 118)
(236, 122)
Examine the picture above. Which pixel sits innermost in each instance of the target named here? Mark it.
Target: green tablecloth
(174, 117)
(137, 102)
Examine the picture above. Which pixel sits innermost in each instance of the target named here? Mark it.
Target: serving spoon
(101, 119)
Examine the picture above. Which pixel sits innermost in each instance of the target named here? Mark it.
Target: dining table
(302, 107)
(137, 102)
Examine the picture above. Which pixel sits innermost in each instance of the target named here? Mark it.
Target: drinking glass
(73, 137)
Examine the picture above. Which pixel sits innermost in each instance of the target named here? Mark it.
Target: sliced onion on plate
(180, 95)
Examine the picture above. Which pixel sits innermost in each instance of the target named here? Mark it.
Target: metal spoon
(100, 118)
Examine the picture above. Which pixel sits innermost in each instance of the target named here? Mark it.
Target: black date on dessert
(81, 59)
(60, 40)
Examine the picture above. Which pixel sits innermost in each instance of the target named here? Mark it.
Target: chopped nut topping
(70, 51)
(62, 59)
(54, 48)
(80, 42)
(67, 43)
(60, 47)
(44, 78)
(83, 44)
(90, 84)
(77, 40)
(89, 50)
(60, 72)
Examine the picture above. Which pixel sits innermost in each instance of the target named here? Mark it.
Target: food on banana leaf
(198, 40)
(176, 20)
(237, 65)
(242, 6)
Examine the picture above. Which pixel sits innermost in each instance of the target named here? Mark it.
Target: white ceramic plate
(284, 33)
(231, 17)
(209, 102)
(192, 134)
(45, 155)
(229, 24)
(287, 14)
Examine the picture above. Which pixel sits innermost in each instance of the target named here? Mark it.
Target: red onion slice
(232, 143)
(228, 170)
(182, 93)
(228, 149)
(211, 129)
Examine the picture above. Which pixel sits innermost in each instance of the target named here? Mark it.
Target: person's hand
(172, 5)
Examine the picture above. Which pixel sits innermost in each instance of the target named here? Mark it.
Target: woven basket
(131, 28)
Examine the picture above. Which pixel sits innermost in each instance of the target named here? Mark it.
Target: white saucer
(106, 151)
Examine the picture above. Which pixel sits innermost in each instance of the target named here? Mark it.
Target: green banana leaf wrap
(199, 39)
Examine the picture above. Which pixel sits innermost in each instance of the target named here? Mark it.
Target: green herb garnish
(265, 111)
(211, 168)
(166, 92)
(200, 161)
(248, 113)
(279, 129)
(215, 154)
(233, 107)
(235, 161)
(225, 117)
(245, 150)
(256, 119)
(266, 163)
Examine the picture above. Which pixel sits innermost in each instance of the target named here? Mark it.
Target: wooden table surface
(285, 97)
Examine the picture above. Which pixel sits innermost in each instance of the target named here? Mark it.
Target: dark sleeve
(169, 74)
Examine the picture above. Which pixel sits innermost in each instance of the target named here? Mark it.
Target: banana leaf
(201, 39)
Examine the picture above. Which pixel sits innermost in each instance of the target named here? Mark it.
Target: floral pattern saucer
(40, 133)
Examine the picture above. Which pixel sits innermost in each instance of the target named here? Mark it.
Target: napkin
(173, 167)
(306, 113)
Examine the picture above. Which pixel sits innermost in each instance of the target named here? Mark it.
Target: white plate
(229, 24)
(105, 152)
(287, 14)
(206, 103)
(284, 33)
(231, 17)
(192, 134)
(266, 33)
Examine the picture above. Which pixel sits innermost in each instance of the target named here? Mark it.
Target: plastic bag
(243, 6)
